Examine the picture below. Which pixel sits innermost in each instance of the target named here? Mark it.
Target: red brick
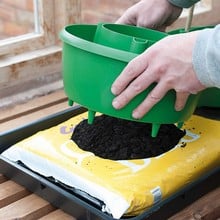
(93, 11)
(90, 17)
(29, 5)
(104, 10)
(16, 17)
(6, 13)
(12, 29)
(15, 3)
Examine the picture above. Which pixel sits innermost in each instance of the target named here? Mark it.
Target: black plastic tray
(78, 205)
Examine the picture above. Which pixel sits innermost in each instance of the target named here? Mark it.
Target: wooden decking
(16, 202)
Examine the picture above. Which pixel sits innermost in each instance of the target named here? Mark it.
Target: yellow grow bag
(126, 187)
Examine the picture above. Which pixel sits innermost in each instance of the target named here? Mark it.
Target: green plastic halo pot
(90, 68)
(210, 98)
(182, 30)
(125, 37)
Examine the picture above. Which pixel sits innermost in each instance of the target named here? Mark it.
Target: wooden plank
(33, 105)
(205, 208)
(57, 215)
(33, 110)
(17, 122)
(2, 178)
(10, 192)
(29, 207)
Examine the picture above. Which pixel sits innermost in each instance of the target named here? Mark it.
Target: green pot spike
(155, 129)
(180, 124)
(91, 116)
(70, 102)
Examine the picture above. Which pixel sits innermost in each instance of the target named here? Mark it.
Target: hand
(168, 63)
(155, 14)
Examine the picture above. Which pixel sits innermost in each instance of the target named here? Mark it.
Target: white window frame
(50, 22)
(34, 55)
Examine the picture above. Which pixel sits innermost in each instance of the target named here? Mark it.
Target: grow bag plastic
(128, 187)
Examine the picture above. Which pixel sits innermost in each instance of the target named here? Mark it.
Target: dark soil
(118, 139)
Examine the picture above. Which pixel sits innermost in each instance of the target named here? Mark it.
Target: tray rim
(41, 186)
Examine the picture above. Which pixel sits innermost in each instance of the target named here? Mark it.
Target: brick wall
(94, 11)
(16, 18)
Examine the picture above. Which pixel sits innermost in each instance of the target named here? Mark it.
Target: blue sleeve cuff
(183, 3)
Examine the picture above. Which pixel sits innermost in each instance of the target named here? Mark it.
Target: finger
(161, 28)
(181, 99)
(122, 20)
(158, 92)
(134, 68)
(127, 18)
(137, 86)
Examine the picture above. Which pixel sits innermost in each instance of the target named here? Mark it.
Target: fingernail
(136, 115)
(116, 104)
(178, 108)
(113, 90)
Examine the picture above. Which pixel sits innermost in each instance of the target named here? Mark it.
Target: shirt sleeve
(206, 57)
(183, 3)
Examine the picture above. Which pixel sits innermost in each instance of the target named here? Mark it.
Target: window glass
(17, 18)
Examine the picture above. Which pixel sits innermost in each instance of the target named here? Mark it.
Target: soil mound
(118, 139)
